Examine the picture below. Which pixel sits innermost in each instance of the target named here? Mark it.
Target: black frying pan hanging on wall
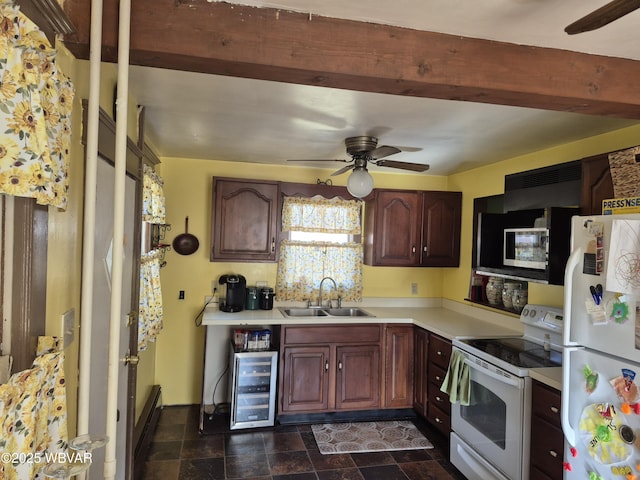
(185, 243)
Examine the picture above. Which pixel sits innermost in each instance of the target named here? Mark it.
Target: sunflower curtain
(152, 197)
(35, 113)
(33, 414)
(303, 264)
(150, 310)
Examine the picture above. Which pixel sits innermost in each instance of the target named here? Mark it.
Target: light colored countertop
(548, 376)
(443, 317)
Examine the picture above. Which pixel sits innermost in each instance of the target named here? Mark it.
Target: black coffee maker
(233, 293)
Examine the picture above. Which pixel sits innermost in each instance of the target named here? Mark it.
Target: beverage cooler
(253, 387)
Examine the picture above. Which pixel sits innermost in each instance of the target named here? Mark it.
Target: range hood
(554, 186)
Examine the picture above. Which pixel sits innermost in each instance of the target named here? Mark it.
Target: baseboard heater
(144, 430)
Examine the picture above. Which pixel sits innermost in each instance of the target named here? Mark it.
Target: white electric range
(490, 438)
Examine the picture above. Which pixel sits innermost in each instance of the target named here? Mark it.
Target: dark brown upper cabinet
(413, 228)
(245, 219)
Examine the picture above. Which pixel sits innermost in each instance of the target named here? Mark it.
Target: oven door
(497, 421)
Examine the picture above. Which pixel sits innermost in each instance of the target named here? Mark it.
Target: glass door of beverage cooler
(253, 389)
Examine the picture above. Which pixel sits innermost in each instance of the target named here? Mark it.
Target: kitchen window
(321, 239)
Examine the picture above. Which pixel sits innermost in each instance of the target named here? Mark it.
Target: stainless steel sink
(303, 312)
(324, 312)
(348, 312)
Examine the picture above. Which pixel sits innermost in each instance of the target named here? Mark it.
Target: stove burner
(518, 351)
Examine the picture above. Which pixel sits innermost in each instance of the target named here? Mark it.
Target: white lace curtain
(303, 264)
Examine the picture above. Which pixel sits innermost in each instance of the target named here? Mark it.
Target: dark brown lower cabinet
(547, 439)
(330, 368)
(398, 366)
(420, 359)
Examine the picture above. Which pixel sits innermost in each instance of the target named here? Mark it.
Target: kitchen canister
(266, 298)
(507, 293)
(519, 299)
(252, 302)
(494, 289)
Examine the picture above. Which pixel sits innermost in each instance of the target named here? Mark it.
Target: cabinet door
(357, 377)
(441, 219)
(398, 370)
(393, 234)
(597, 184)
(420, 370)
(244, 221)
(305, 381)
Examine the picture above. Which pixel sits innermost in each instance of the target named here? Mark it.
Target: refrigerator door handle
(569, 432)
(572, 264)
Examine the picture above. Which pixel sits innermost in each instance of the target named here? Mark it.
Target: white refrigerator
(601, 349)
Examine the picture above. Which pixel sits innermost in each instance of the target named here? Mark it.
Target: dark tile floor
(179, 452)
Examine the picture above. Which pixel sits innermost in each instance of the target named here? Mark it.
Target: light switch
(68, 326)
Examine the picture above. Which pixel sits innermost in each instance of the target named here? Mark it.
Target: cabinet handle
(413, 249)
(438, 377)
(425, 249)
(438, 420)
(554, 409)
(438, 399)
(553, 453)
(439, 353)
(273, 244)
(339, 365)
(326, 366)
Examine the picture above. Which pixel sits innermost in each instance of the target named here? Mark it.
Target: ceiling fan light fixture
(360, 182)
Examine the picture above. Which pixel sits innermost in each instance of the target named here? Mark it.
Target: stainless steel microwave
(526, 248)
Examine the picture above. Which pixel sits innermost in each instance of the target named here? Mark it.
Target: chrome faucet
(335, 288)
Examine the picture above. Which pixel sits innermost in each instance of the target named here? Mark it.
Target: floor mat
(363, 437)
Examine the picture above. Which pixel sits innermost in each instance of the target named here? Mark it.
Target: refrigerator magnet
(597, 313)
(618, 309)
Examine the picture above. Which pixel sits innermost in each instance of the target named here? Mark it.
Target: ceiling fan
(603, 16)
(364, 149)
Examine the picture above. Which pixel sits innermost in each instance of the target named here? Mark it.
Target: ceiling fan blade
(318, 160)
(603, 16)
(383, 151)
(414, 167)
(342, 170)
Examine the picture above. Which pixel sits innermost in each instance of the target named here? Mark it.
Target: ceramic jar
(519, 299)
(507, 293)
(494, 289)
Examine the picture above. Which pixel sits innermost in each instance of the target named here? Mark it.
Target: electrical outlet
(181, 295)
(414, 289)
(68, 327)
(214, 286)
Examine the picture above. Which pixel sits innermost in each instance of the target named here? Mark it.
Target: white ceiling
(202, 116)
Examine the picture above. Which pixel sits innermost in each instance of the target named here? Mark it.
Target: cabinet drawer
(537, 474)
(439, 399)
(439, 351)
(436, 375)
(546, 403)
(321, 334)
(440, 419)
(547, 448)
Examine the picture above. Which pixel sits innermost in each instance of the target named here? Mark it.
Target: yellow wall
(485, 181)
(188, 191)
(179, 350)
(187, 187)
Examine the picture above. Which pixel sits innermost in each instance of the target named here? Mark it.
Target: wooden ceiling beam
(269, 44)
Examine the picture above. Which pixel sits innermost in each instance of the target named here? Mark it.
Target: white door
(101, 315)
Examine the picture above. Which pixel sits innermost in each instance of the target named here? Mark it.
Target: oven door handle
(514, 382)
